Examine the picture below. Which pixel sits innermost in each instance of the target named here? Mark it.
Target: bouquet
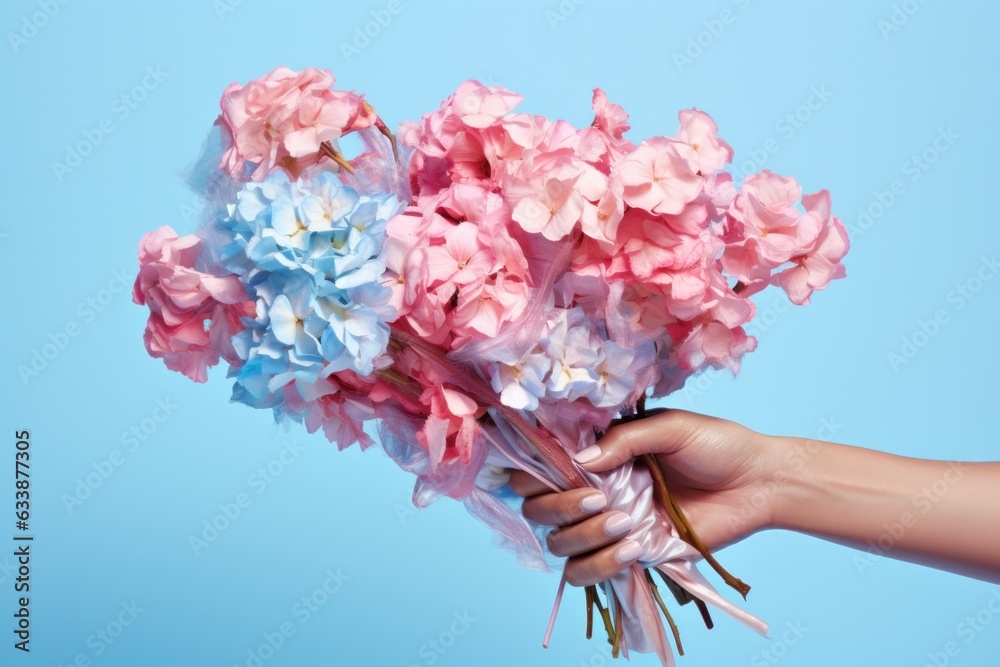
(488, 294)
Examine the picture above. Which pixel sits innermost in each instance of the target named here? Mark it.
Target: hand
(719, 472)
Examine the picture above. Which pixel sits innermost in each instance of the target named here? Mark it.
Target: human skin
(732, 482)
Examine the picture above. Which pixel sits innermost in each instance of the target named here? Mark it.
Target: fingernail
(628, 551)
(593, 502)
(618, 524)
(587, 455)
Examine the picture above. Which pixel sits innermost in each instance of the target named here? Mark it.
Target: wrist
(818, 484)
(789, 479)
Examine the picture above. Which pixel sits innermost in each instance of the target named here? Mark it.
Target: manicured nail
(593, 502)
(618, 524)
(587, 455)
(628, 551)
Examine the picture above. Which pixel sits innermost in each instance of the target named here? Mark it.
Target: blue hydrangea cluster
(308, 253)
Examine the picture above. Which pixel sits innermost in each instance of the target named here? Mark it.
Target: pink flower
(604, 141)
(720, 192)
(336, 408)
(461, 140)
(723, 304)
(192, 314)
(492, 216)
(468, 155)
(472, 203)
(552, 205)
(600, 219)
(451, 426)
(657, 178)
(485, 306)
(281, 119)
(767, 229)
(525, 132)
(456, 273)
(480, 106)
(462, 259)
(766, 205)
(712, 343)
(471, 159)
(611, 119)
(815, 270)
(654, 255)
(701, 145)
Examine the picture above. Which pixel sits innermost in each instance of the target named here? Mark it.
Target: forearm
(939, 513)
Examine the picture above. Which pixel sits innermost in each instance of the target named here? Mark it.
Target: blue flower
(308, 253)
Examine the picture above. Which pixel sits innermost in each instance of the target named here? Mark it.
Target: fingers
(558, 509)
(661, 434)
(601, 565)
(590, 534)
(590, 537)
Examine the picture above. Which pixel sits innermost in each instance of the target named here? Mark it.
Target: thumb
(659, 434)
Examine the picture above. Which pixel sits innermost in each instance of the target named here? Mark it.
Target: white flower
(573, 349)
(521, 384)
(615, 381)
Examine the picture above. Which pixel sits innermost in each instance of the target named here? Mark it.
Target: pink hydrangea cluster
(193, 315)
(657, 241)
(282, 119)
(766, 232)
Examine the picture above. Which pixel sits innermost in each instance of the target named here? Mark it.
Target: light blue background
(409, 572)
